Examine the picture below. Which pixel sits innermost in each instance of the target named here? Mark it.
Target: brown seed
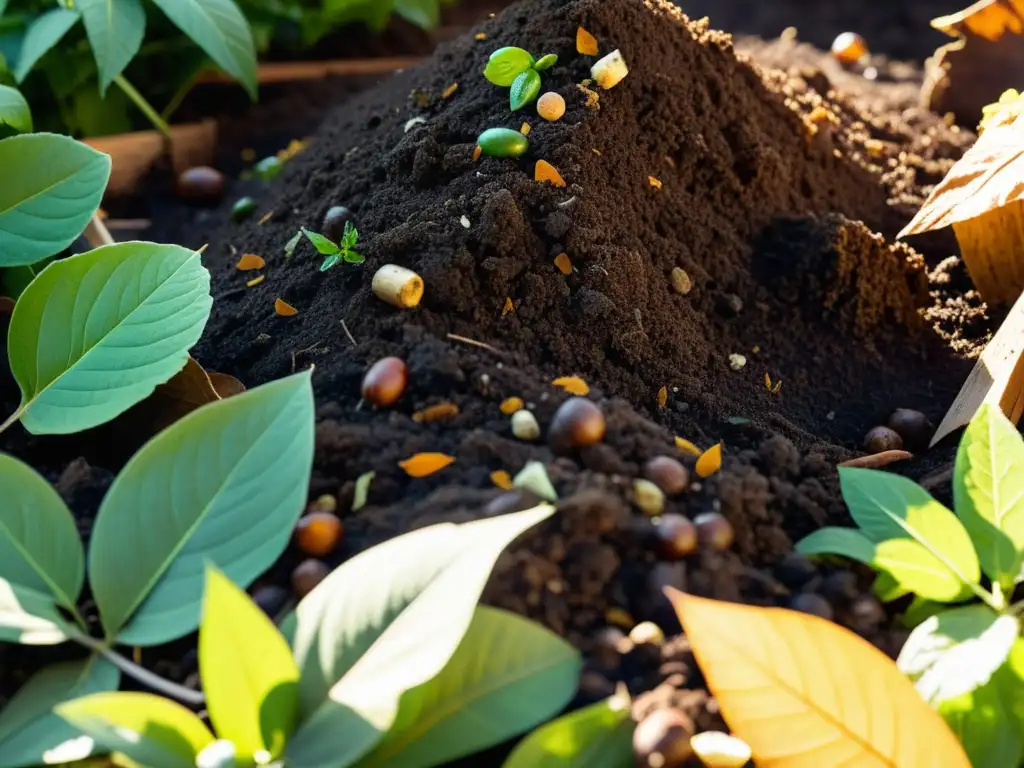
(201, 184)
(714, 531)
(385, 381)
(334, 222)
(681, 282)
(307, 575)
(849, 48)
(913, 427)
(668, 474)
(318, 533)
(882, 439)
(677, 536)
(816, 605)
(577, 423)
(662, 739)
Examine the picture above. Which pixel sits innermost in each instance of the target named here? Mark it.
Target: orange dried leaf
(256, 281)
(284, 309)
(710, 461)
(654, 182)
(509, 307)
(586, 43)
(574, 385)
(767, 380)
(525, 129)
(563, 263)
(249, 262)
(477, 152)
(663, 397)
(480, 36)
(511, 404)
(447, 92)
(686, 446)
(545, 171)
(502, 479)
(802, 691)
(877, 460)
(423, 464)
(438, 412)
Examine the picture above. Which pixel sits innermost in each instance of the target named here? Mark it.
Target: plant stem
(143, 675)
(13, 418)
(144, 106)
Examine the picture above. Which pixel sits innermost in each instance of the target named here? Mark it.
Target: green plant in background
(517, 70)
(336, 252)
(967, 660)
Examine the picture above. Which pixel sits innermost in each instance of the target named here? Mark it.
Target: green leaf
(349, 238)
(52, 186)
(507, 675)
(525, 89)
(330, 261)
(351, 257)
(151, 730)
(115, 29)
(41, 36)
(220, 29)
(887, 589)
(919, 610)
(247, 669)
(990, 736)
(920, 571)
(14, 280)
(838, 541)
(31, 734)
(598, 736)
(887, 506)
(506, 64)
(546, 62)
(226, 484)
(1010, 678)
(988, 493)
(39, 545)
(14, 111)
(383, 623)
(957, 651)
(425, 14)
(323, 244)
(95, 333)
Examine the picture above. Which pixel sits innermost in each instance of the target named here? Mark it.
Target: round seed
(882, 439)
(307, 575)
(681, 282)
(201, 184)
(649, 497)
(385, 382)
(318, 533)
(913, 427)
(677, 536)
(502, 142)
(714, 531)
(524, 425)
(668, 474)
(551, 106)
(333, 226)
(577, 423)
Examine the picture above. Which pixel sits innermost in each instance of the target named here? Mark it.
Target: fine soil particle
(779, 196)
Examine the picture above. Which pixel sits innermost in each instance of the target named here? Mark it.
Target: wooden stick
(284, 72)
(97, 234)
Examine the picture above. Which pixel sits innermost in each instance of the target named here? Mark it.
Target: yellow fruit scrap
(284, 309)
(502, 479)
(586, 43)
(593, 101)
(686, 446)
(610, 71)
(423, 464)
(710, 461)
(574, 385)
(546, 172)
(596, 152)
(563, 263)
(511, 404)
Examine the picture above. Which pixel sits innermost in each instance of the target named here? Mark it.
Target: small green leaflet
(525, 89)
(545, 63)
(14, 111)
(349, 237)
(115, 29)
(292, 244)
(506, 64)
(95, 333)
(324, 245)
(42, 35)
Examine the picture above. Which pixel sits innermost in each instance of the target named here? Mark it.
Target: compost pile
(774, 193)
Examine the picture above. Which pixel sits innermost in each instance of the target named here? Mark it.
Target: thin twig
(302, 352)
(349, 334)
(96, 233)
(474, 343)
(143, 675)
(230, 293)
(129, 224)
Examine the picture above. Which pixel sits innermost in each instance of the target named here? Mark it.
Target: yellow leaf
(686, 446)
(511, 404)
(250, 261)
(284, 309)
(545, 171)
(502, 479)
(710, 461)
(586, 43)
(663, 397)
(574, 385)
(423, 464)
(256, 281)
(806, 693)
(439, 412)
(563, 263)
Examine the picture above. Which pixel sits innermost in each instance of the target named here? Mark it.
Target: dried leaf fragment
(574, 385)
(249, 262)
(663, 397)
(876, 460)
(451, 89)
(509, 307)
(433, 413)
(525, 129)
(284, 309)
(654, 182)
(265, 218)
(423, 464)
(563, 263)
(686, 446)
(502, 479)
(256, 281)
(710, 461)
(586, 43)
(546, 172)
(511, 404)
(477, 151)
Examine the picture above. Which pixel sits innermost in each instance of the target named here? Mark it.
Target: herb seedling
(335, 252)
(516, 69)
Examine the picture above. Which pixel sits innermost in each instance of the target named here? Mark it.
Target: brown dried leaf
(226, 386)
(511, 404)
(876, 460)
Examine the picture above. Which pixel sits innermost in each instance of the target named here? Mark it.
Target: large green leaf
(985, 726)
(383, 623)
(838, 541)
(41, 36)
(52, 186)
(988, 491)
(151, 730)
(14, 111)
(224, 485)
(95, 333)
(29, 617)
(918, 570)
(507, 675)
(115, 29)
(957, 651)
(598, 736)
(31, 734)
(247, 669)
(220, 29)
(887, 506)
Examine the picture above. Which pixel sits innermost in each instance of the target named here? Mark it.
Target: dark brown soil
(781, 191)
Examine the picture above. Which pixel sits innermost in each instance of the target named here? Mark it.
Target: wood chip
(477, 152)
(876, 460)
(265, 218)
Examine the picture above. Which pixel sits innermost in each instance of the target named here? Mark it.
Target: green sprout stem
(13, 418)
(141, 674)
(144, 106)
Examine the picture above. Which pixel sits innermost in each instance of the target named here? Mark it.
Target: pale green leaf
(29, 617)
(225, 484)
(52, 187)
(425, 14)
(384, 622)
(508, 675)
(95, 333)
(247, 669)
(220, 29)
(598, 736)
(42, 35)
(990, 736)
(151, 730)
(953, 653)
(115, 29)
(920, 571)
(39, 544)
(887, 589)
(506, 64)
(988, 492)
(14, 111)
(31, 734)
(887, 506)
(323, 244)
(838, 541)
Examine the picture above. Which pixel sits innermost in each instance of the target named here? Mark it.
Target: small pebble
(271, 599)
(721, 750)
(882, 439)
(662, 739)
(668, 474)
(333, 227)
(647, 633)
(201, 184)
(737, 361)
(681, 282)
(524, 425)
(913, 427)
(816, 605)
(677, 536)
(307, 575)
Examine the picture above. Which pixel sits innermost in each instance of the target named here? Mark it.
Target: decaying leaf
(686, 446)
(663, 397)
(284, 309)
(511, 404)
(191, 388)
(502, 479)
(546, 172)
(249, 262)
(802, 691)
(574, 385)
(423, 464)
(226, 386)
(710, 461)
(438, 412)
(586, 43)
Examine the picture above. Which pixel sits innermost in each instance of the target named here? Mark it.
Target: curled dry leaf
(574, 385)
(284, 309)
(710, 461)
(686, 446)
(802, 691)
(249, 262)
(190, 389)
(502, 479)
(439, 412)
(876, 460)
(586, 43)
(511, 404)
(546, 172)
(423, 464)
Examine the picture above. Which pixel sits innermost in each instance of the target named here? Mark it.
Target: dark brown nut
(201, 184)
(307, 575)
(318, 533)
(882, 439)
(662, 739)
(714, 531)
(668, 474)
(385, 381)
(816, 605)
(677, 536)
(577, 423)
(335, 219)
(913, 427)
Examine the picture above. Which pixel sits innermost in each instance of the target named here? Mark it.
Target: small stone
(882, 439)
(271, 599)
(668, 474)
(524, 425)
(333, 226)
(307, 575)
(816, 605)
(201, 184)
(662, 739)
(648, 497)
(681, 282)
(647, 633)
(737, 361)
(913, 427)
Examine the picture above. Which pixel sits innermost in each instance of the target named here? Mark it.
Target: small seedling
(335, 252)
(516, 69)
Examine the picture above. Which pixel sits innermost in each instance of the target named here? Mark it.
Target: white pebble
(737, 361)
(524, 425)
(464, 221)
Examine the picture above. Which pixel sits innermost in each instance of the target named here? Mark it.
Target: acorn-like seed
(662, 739)
(577, 423)
(677, 536)
(333, 226)
(385, 382)
(913, 427)
(307, 575)
(648, 497)
(524, 425)
(882, 439)
(714, 531)
(551, 106)
(816, 605)
(398, 286)
(201, 184)
(849, 48)
(668, 474)
(318, 533)
(647, 633)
